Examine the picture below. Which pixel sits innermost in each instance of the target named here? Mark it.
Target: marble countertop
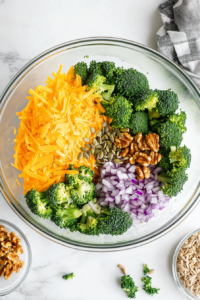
(26, 29)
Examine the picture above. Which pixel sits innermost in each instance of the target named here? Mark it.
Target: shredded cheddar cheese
(52, 127)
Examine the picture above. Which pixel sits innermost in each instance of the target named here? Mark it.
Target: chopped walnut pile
(140, 150)
(10, 248)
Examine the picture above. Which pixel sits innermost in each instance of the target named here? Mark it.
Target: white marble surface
(26, 29)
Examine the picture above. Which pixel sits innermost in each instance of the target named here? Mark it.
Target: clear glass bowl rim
(11, 86)
(180, 286)
(29, 255)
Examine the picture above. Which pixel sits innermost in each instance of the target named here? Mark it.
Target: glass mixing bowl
(162, 74)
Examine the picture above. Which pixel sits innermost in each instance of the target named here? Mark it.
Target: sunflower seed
(114, 147)
(118, 161)
(98, 147)
(105, 159)
(94, 142)
(97, 151)
(119, 134)
(118, 153)
(89, 153)
(105, 137)
(83, 149)
(92, 150)
(99, 133)
(113, 152)
(80, 155)
(107, 129)
(104, 124)
(86, 155)
(99, 140)
(87, 145)
(109, 143)
(104, 152)
(125, 158)
(104, 145)
(101, 154)
(107, 149)
(96, 165)
(112, 138)
(98, 161)
(102, 129)
(110, 155)
(92, 129)
(86, 140)
(125, 130)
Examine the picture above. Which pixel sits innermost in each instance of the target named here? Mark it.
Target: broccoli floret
(96, 82)
(95, 67)
(179, 120)
(59, 193)
(147, 99)
(139, 122)
(108, 69)
(66, 216)
(180, 158)
(164, 162)
(167, 104)
(86, 172)
(120, 111)
(145, 269)
(128, 285)
(83, 190)
(131, 83)
(147, 286)
(170, 134)
(71, 178)
(82, 70)
(88, 227)
(173, 181)
(69, 276)
(38, 204)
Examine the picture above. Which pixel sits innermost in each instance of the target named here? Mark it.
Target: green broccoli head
(38, 204)
(170, 134)
(89, 227)
(95, 67)
(139, 122)
(59, 193)
(71, 178)
(83, 190)
(147, 286)
(145, 269)
(131, 83)
(108, 69)
(81, 69)
(120, 111)
(164, 162)
(66, 216)
(173, 181)
(167, 102)
(179, 120)
(128, 285)
(69, 276)
(114, 221)
(86, 172)
(180, 158)
(147, 99)
(96, 82)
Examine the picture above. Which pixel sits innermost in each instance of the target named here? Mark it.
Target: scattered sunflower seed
(104, 145)
(94, 142)
(125, 158)
(119, 134)
(97, 151)
(101, 154)
(99, 133)
(83, 149)
(107, 149)
(92, 129)
(86, 140)
(87, 145)
(125, 130)
(99, 140)
(114, 147)
(80, 155)
(117, 161)
(112, 138)
(107, 129)
(98, 146)
(92, 150)
(104, 124)
(86, 155)
(89, 153)
(109, 143)
(99, 162)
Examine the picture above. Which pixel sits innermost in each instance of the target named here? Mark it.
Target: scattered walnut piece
(142, 159)
(141, 142)
(155, 157)
(122, 268)
(139, 172)
(10, 248)
(124, 141)
(146, 172)
(152, 140)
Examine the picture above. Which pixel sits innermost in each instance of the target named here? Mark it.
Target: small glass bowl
(178, 282)
(16, 279)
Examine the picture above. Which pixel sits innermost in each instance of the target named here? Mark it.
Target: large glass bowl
(162, 74)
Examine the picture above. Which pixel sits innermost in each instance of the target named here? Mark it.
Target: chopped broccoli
(180, 158)
(173, 181)
(71, 178)
(96, 82)
(66, 216)
(147, 99)
(130, 82)
(82, 70)
(83, 190)
(59, 193)
(120, 111)
(128, 285)
(139, 122)
(108, 69)
(179, 120)
(89, 226)
(95, 67)
(164, 162)
(170, 134)
(145, 269)
(69, 276)
(38, 204)
(86, 172)
(147, 286)
(167, 104)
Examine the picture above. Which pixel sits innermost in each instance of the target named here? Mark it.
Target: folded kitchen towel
(179, 37)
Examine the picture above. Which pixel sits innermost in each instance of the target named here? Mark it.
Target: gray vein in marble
(2, 1)
(13, 61)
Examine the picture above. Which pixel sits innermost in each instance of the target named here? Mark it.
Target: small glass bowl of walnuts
(186, 265)
(15, 257)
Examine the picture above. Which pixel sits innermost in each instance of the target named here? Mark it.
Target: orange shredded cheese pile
(53, 124)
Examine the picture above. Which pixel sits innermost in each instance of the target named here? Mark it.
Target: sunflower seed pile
(103, 147)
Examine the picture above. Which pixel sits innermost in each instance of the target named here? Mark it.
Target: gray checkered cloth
(179, 37)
